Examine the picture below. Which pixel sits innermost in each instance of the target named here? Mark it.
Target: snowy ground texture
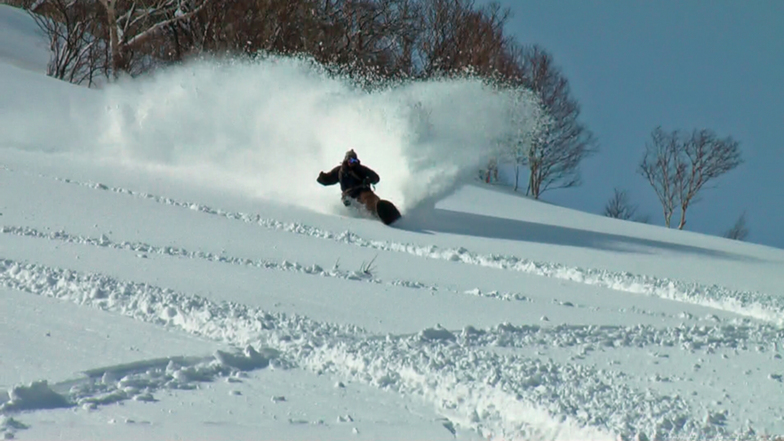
(159, 278)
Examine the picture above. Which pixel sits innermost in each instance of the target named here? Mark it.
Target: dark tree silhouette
(618, 206)
(739, 231)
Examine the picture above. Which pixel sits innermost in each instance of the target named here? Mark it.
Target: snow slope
(169, 269)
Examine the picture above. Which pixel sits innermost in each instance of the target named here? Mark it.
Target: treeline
(362, 38)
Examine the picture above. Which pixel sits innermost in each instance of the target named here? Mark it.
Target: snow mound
(437, 334)
(9, 427)
(249, 360)
(37, 395)
(140, 381)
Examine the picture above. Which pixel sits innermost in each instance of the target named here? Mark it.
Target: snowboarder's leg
(368, 199)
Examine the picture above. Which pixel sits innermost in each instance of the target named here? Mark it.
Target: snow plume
(266, 128)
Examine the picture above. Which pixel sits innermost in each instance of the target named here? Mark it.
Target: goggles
(353, 161)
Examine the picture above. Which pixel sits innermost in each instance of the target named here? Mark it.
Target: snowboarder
(355, 180)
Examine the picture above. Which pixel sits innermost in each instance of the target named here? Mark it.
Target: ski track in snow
(144, 249)
(751, 304)
(462, 372)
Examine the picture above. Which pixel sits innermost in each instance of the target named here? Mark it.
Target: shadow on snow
(470, 224)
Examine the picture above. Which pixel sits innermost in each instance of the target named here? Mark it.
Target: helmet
(351, 157)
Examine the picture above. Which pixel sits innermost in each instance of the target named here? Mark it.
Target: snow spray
(265, 128)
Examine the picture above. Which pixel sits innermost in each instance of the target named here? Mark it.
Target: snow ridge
(748, 303)
(499, 395)
(707, 338)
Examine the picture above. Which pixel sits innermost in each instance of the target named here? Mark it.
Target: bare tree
(358, 38)
(369, 40)
(618, 206)
(24, 4)
(678, 166)
(662, 168)
(707, 157)
(75, 54)
(562, 142)
(253, 26)
(455, 36)
(132, 25)
(739, 231)
(526, 117)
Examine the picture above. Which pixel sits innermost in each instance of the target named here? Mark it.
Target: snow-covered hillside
(170, 269)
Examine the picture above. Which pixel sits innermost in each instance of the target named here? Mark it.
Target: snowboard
(387, 212)
(369, 202)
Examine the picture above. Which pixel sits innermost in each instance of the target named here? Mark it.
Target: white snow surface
(170, 269)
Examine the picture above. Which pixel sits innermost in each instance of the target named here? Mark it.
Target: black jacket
(352, 179)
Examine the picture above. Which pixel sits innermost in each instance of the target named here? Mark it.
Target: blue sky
(634, 65)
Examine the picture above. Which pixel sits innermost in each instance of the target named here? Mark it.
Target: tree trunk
(532, 171)
(517, 175)
(534, 182)
(683, 218)
(114, 39)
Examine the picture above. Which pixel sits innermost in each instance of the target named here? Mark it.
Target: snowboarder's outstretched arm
(329, 178)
